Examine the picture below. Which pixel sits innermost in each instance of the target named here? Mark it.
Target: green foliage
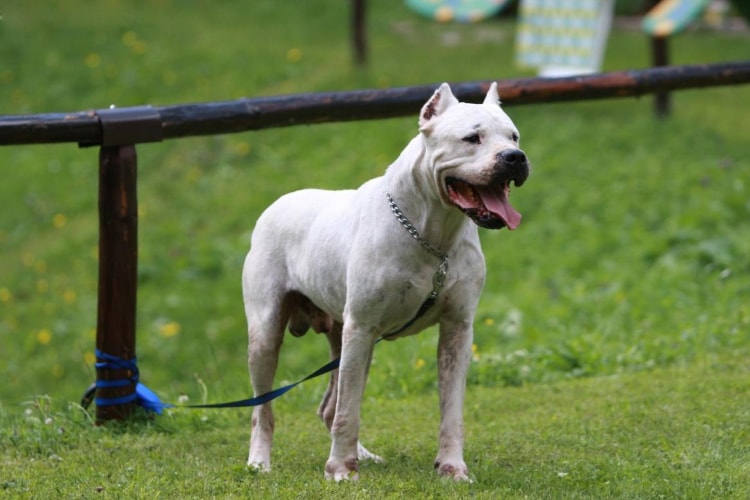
(611, 338)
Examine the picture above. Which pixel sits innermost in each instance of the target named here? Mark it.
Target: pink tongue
(498, 204)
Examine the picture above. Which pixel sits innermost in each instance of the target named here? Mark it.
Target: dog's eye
(472, 139)
(514, 137)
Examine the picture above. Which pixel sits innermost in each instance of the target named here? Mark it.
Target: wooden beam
(244, 114)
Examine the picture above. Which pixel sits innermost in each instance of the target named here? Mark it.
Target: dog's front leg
(454, 356)
(356, 356)
(327, 408)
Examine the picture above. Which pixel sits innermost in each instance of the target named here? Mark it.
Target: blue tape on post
(114, 363)
(110, 362)
(142, 395)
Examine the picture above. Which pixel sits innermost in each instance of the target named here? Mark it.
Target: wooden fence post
(118, 261)
(116, 369)
(660, 57)
(359, 31)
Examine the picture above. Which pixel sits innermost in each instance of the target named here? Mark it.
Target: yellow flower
(89, 358)
(294, 55)
(194, 174)
(169, 329)
(129, 38)
(93, 60)
(59, 221)
(489, 321)
(5, 295)
(44, 336)
(419, 364)
(69, 296)
(474, 352)
(139, 48)
(242, 148)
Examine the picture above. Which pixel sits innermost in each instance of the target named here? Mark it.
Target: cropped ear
(492, 98)
(441, 100)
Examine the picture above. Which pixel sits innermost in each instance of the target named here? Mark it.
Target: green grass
(617, 438)
(611, 338)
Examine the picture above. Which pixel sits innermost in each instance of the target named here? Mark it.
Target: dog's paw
(365, 454)
(453, 470)
(347, 470)
(259, 466)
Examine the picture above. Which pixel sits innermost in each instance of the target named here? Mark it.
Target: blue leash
(146, 398)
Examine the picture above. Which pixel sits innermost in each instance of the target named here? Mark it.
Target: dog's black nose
(512, 157)
(514, 160)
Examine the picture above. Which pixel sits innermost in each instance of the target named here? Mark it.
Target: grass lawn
(612, 345)
(671, 433)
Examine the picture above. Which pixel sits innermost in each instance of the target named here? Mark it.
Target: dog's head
(474, 153)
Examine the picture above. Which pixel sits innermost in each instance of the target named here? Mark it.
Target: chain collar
(438, 279)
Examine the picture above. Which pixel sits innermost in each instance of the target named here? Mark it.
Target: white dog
(383, 261)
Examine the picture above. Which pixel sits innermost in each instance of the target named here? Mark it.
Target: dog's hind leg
(265, 335)
(327, 408)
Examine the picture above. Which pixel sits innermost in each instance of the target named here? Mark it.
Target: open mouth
(487, 206)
